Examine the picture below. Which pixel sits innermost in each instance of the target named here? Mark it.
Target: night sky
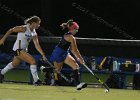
(103, 19)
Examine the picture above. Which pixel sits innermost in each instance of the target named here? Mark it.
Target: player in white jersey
(26, 33)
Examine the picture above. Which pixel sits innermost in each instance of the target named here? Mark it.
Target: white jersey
(24, 38)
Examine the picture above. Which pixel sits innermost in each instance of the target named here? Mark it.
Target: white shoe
(41, 69)
(52, 82)
(81, 85)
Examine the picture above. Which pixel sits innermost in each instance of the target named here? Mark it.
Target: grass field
(23, 75)
(12, 91)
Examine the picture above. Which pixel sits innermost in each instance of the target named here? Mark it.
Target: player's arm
(38, 47)
(10, 31)
(74, 48)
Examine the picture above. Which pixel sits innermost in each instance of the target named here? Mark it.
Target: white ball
(106, 91)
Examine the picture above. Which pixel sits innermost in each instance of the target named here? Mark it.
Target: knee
(75, 66)
(14, 64)
(58, 69)
(33, 62)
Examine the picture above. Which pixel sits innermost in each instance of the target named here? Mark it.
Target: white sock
(7, 68)
(33, 69)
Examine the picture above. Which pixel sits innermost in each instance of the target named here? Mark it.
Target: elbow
(37, 47)
(73, 52)
(10, 31)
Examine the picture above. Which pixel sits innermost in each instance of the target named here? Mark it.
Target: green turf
(19, 75)
(23, 75)
(30, 92)
(87, 77)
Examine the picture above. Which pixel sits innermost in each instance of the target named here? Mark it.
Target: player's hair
(32, 19)
(67, 24)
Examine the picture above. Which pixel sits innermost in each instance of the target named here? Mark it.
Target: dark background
(113, 19)
(121, 13)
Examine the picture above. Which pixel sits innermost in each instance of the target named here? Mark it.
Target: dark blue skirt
(59, 55)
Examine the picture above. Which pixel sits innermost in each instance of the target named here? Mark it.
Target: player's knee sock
(33, 69)
(76, 76)
(7, 68)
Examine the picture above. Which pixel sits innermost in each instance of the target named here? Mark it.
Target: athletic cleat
(1, 77)
(81, 85)
(38, 83)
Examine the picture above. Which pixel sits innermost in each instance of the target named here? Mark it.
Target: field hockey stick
(104, 84)
(63, 76)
